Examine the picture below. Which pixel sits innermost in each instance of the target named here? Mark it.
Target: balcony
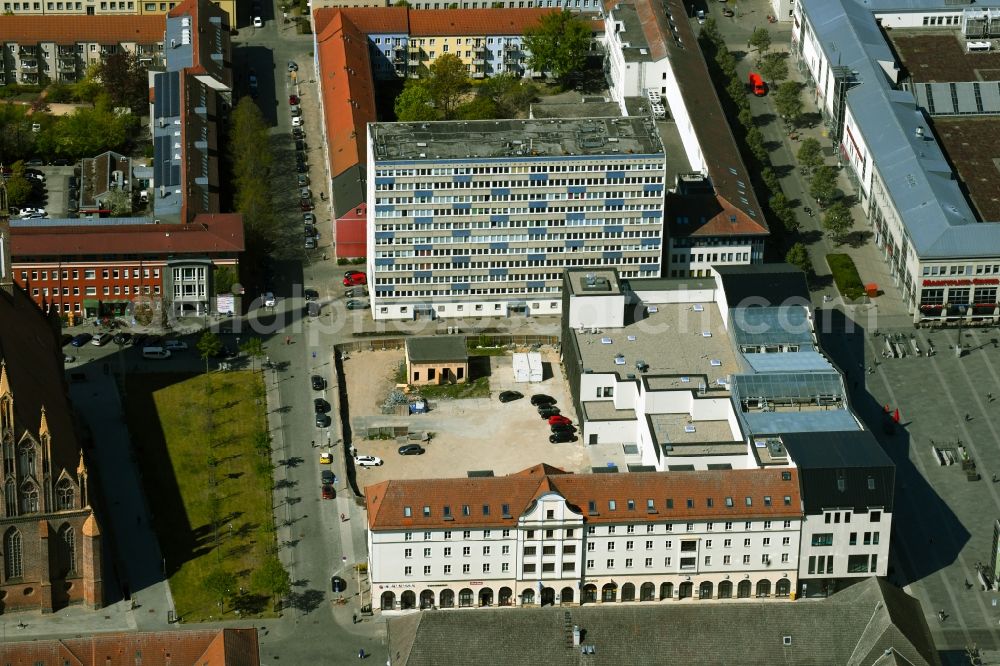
(511, 47)
(29, 78)
(66, 66)
(477, 60)
(478, 74)
(28, 51)
(29, 66)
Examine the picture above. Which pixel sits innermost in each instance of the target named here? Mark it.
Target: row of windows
(826, 539)
(536, 212)
(690, 545)
(834, 516)
(959, 295)
(651, 528)
(90, 274)
(467, 568)
(534, 185)
(555, 263)
(967, 269)
(710, 257)
(517, 168)
(688, 563)
(92, 291)
(533, 195)
(531, 222)
(942, 20)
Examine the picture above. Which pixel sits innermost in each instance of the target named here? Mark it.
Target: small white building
(522, 372)
(536, 371)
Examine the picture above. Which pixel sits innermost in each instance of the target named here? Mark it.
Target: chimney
(6, 273)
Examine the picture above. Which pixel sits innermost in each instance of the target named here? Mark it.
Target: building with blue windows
(480, 218)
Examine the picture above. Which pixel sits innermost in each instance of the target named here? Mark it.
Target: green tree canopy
(558, 44)
(414, 103)
(18, 185)
(447, 83)
(760, 40)
(125, 79)
(823, 186)
(224, 278)
(119, 202)
(837, 220)
(272, 578)
(86, 131)
(510, 94)
(788, 101)
(209, 345)
(221, 584)
(479, 108)
(810, 154)
(774, 67)
(798, 255)
(253, 348)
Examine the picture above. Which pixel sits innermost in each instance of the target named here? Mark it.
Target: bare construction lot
(466, 434)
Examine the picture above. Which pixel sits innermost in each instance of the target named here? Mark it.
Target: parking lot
(466, 434)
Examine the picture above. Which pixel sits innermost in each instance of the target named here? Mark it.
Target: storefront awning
(91, 303)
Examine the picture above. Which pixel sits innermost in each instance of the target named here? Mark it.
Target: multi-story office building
(544, 536)
(106, 9)
(61, 48)
(480, 218)
(595, 6)
(943, 258)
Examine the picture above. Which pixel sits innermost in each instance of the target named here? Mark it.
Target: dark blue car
(81, 339)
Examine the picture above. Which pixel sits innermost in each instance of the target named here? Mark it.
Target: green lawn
(179, 428)
(845, 276)
(477, 388)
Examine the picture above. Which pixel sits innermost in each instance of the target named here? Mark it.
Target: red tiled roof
(432, 22)
(225, 647)
(387, 500)
(75, 29)
(709, 215)
(348, 91)
(351, 232)
(379, 19)
(221, 233)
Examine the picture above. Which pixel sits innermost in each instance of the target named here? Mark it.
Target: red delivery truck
(757, 85)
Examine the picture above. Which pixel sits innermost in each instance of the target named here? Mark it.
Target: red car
(328, 491)
(559, 419)
(306, 204)
(293, 99)
(355, 279)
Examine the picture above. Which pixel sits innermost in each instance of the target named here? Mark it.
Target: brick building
(50, 542)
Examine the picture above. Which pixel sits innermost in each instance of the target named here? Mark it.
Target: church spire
(6, 272)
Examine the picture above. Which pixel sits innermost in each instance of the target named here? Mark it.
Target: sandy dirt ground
(471, 434)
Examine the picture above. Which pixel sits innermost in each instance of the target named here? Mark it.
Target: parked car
(258, 22)
(355, 279)
(62, 161)
(510, 396)
(309, 218)
(726, 11)
(122, 338)
(269, 300)
(559, 419)
(65, 339)
(559, 437)
(325, 458)
(411, 450)
(306, 204)
(301, 167)
(310, 243)
(329, 492)
(293, 99)
(310, 294)
(548, 412)
(298, 133)
(313, 309)
(542, 399)
(303, 180)
(318, 383)
(296, 111)
(175, 345)
(562, 427)
(326, 476)
(322, 420)
(367, 461)
(321, 406)
(300, 145)
(101, 339)
(701, 15)
(67, 359)
(305, 193)
(297, 121)
(356, 305)
(311, 231)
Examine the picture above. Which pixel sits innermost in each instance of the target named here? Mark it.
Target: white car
(175, 345)
(29, 211)
(297, 121)
(269, 300)
(367, 461)
(258, 22)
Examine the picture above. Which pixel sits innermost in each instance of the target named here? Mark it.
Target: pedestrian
(342, 519)
(968, 417)
(941, 615)
(996, 478)
(989, 397)
(361, 653)
(314, 443)
(354, 619)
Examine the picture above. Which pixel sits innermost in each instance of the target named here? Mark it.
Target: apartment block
(61, 48)
(543, 537)
(568, 5)
(104, 8)
(480, 218)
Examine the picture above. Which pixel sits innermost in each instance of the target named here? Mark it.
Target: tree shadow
(302, 582)
(764, 119)
(810, 236)
(810, 119)
(307, 601)
(782, 170)
(249, 604)
(293, 461)
(285, 483)
(858, 239)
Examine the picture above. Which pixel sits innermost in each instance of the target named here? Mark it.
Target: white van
(155, 352)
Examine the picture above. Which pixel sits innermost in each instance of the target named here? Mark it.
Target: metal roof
(958, 98)
(922, 186)
(771, 326)
(800, 361)
(812, 421)
(886, 6)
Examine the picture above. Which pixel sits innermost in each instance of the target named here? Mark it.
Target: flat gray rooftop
(514, 138)
(680, 430)
(673, 339)
(598, 282)
(581, 109)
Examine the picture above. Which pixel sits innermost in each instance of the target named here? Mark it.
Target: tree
(789, 221)
(120, 203)
(510, 94)
(737, 91)
(726, 61)
(824, 185)
(221, 584)
(447, 83)
(209, 345)
(788, 101)
(480, 108)
(125, 79)
(272, 578)
(18, 186)
(558, 44)
(86, 131)
(755, 142)
(710, 32)
(799, 256)
(810, 154)
(774, 67)
(760, 40)
(223, 278)
(89, 88)
(745, 116)
(253, 348)
(414, 103)
(837, 220)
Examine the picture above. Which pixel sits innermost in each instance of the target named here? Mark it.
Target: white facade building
(543, 536)
(479, 218)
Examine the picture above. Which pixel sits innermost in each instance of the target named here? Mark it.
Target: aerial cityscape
(496, 332)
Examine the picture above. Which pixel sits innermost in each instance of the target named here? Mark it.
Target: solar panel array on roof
(161, 166)
(959, 98)
(167, 95)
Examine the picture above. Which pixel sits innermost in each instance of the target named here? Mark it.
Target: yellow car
(325, 458)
